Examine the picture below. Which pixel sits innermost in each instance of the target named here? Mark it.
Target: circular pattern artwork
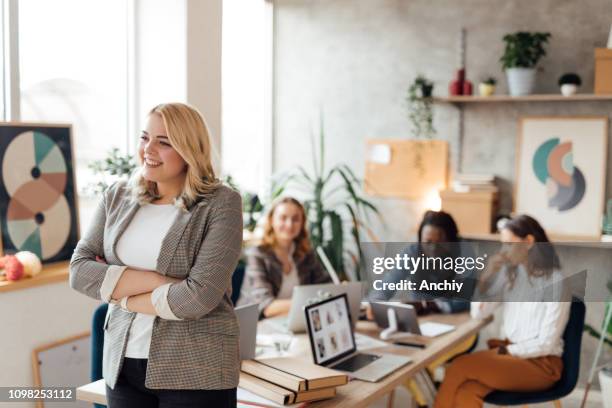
(34, 174)
(553, 166)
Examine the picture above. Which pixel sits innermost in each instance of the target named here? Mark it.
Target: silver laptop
(302, 296)
(333, 343)
(248, 316)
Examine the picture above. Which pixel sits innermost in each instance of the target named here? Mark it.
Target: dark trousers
(130, 392)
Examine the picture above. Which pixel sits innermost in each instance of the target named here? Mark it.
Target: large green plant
(608, 330)
(333, 206)
(523, 49)
(607, 222)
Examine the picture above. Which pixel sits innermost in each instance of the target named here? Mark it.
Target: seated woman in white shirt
(528, 357)
(284, 259)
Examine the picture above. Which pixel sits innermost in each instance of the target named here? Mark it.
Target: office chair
(237, 279)
(97, 344)
(572, 338)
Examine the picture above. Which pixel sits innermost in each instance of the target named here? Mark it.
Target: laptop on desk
(303, 294)
(247, 316)
(333, 342)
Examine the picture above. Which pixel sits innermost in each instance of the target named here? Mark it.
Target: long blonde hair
(189, 136)
(302, 241)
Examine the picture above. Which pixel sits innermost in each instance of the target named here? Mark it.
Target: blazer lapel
(172, 239)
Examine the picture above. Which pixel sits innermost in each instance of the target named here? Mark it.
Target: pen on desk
(403, 343)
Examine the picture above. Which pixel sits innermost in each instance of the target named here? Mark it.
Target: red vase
(456, 86)
(467, 88)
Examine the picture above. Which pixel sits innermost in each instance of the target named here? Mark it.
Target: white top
(138, 248)
(291, 279)
(535, 328)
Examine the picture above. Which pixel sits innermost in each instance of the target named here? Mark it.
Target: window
(246, 92)
(74, 69)
(3, 60)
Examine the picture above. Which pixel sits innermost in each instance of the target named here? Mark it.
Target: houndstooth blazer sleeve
(86, 274)
(210, 276)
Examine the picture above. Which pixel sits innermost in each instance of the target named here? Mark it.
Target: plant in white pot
(569, 83)
(522, 53)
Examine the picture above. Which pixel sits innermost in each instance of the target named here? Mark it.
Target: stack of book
(467, 183)
(286, 380)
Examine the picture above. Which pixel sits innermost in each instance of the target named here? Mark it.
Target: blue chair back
(572, 338)
(97, 343)
(237, 279)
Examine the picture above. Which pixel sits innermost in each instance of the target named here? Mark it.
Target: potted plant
(420, 107)
(522, 53)
(334, 207)
(604, 337)
(487, 87)
(569, 83)
(420, 114)
(114, 167)
(252, 206)
(607, 223)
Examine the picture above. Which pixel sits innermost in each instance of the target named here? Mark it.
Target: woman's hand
(278, 307)
(369, 312)
(495, 264)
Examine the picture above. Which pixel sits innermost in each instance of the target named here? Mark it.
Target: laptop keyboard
(356, 362)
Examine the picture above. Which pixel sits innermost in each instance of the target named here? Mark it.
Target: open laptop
(333, 342)
(247, 321)
(294, 321)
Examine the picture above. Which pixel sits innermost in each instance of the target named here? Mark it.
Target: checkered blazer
(203, 246)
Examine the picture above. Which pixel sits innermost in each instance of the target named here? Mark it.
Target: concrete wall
(354, 60)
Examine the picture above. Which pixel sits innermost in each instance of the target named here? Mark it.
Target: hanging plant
(420, 114)
(420, 108)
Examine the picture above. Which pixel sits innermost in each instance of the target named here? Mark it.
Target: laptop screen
(329, 329)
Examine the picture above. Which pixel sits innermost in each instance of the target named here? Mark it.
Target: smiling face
(161, 163)
(287, 222)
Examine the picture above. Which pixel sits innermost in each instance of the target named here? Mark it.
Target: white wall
(33, 317)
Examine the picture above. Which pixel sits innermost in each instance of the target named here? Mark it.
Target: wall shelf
(526, 98)
(461, 101)
(563, 240)
(51, 273)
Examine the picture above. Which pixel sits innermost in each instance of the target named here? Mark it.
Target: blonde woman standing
(162, 250)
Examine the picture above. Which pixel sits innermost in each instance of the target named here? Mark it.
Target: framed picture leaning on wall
(38, 204)
(561, 173)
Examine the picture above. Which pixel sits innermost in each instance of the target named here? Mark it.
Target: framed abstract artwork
(561, 172)
(38, 205)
